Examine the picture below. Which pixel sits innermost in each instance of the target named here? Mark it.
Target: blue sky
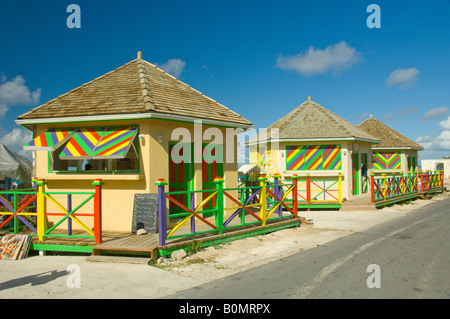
(259, 58)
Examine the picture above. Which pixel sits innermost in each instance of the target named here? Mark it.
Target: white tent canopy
(15, 166)
(253, 170)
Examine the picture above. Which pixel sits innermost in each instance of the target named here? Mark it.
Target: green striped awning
(49, 141)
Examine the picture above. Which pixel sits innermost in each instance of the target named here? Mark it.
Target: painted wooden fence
(320, 192)
(29, 209)
(255, 204)
(389, 188)
(18, 210)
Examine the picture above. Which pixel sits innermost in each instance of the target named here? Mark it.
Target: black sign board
(145, 212)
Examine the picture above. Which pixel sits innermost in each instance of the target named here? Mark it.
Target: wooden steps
(348, 206)
(119, 259)
(358, 202)
(131, 244)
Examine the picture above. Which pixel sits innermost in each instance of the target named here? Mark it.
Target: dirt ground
(219, 261)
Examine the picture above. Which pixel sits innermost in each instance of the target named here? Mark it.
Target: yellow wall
(119, 189)
(279, 164)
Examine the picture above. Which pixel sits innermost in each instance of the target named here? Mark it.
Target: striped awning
(99, 143)
(50, 140)
(82, 143)
(115, 142)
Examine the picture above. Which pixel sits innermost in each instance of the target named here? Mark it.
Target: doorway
(364, 179)
(180, 175)
(355, 173)
(212, 167)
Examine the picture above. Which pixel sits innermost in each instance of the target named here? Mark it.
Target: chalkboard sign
(145, 212)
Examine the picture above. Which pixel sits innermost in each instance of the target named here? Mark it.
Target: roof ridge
(146, 92)
(294, 114)
(327, 112)
(364, 121)
(76, 89)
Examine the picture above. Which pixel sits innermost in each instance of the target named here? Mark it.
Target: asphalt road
(408, 257)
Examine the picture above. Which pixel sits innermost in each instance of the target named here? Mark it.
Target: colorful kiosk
(316, 145)
(396, 153)
(123, 129)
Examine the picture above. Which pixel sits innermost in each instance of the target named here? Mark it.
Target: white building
(434, 164)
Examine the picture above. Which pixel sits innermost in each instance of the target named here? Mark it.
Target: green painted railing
(389, 187)
(29, 208)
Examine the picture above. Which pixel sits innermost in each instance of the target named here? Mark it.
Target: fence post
(384, 186)
(69, 209)
(277, 190)
(247, 190)
(416, 181)
(421, 182)
(263, 199)
(372, 187)
(401, 184)
(308, 190)
(192, 202)
(409, 182)
(393, 189)
(16, 220)
(295, 195)
(219, 203)
(98, 210)
(340, 188)
(40, 210)
(435, 179)
(244, 196)
(162, 212)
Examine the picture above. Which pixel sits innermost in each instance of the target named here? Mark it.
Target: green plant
(194, 247)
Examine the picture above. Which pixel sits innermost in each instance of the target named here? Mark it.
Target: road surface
(408, 257)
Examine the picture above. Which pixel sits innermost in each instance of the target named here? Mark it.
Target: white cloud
(335, 58)
(15, 92)
(389, 116)
(436, 143)
(404, 78)
(15, 140)
(399, 115)
(440, 142)
(445, 124)
(410, 110)
(435, 113)
(3, 109)
(362, 117)
(173, 66)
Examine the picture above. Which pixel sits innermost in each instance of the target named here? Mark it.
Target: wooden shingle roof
(311, 121)
(388, 137)
(136, 87)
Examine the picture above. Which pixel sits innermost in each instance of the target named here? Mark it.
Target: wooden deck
(74, 244)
